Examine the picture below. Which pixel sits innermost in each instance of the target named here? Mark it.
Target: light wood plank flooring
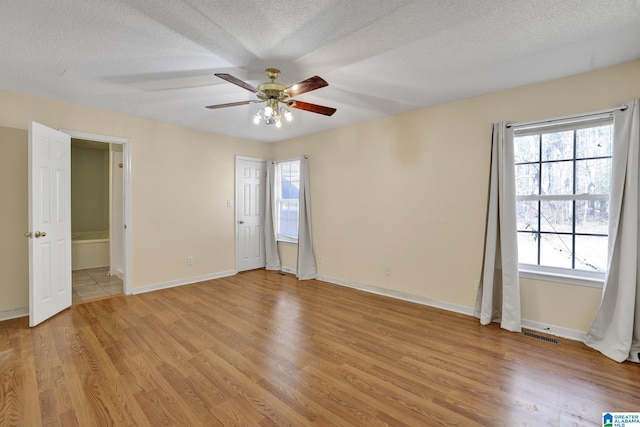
(262, 349)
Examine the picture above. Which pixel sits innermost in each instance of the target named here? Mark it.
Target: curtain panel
(270, 244)
(615, 331)
(306, 261)
(498, 298)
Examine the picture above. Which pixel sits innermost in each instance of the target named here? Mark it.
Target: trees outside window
(287, 199)
(563, 174)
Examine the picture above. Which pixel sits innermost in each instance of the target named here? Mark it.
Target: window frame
(279, 201)
(559, 274)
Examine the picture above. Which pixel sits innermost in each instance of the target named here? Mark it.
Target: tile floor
(94, 283)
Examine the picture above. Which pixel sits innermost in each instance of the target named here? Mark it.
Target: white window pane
(557, 146)
(593, 176)
(557, 178)
(290, 170)
(289, 179)
(527, 148)
(594, 142)
(592, 216)
(591, 253)
(527, 248)
(527, 179)
(289, 189)
(288, 218)
(556, 216)
(561, 162)
(555, 250)
(527, 215)
(287, 194)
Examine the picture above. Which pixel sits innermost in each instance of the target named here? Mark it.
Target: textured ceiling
(156, 59)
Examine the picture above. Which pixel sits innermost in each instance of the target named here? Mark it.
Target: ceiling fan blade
(232, 104)
(236, 81)
(314, 108)
(312, 83)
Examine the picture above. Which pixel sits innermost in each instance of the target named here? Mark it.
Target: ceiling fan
(275, 94)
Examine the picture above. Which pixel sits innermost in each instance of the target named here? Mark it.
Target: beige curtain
(270, 244)
(498, 297)
(306, 260)
(616, 329)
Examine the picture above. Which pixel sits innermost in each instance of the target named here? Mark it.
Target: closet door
(49, 222)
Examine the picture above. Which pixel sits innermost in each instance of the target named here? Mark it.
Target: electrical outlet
(189, 260)
(387, 271)
(477, 284)
(320, 259)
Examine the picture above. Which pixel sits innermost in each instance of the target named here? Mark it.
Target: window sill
(561, 277)
(288, 241)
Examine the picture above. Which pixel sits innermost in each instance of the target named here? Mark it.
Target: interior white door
(250, 188)
(49, 222)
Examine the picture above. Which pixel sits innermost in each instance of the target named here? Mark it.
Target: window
(287, 192)
(563, 174)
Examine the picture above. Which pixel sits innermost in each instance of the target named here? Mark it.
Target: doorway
(100, 200)
(96, 215)
(250, 204)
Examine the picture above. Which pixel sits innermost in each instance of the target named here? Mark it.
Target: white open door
(250, 187)
(49, 222)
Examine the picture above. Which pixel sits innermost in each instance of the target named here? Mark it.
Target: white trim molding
(546, 328)
(14, 314)
(126, 158)
(401, 296)
(562, 275)
(291, 271)
(181, 282)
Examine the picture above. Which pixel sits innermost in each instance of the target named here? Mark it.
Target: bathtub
(89, 249)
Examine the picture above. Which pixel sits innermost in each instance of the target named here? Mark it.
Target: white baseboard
(14, 314)
(558, 331)
(119, 274)
(181, 282)
(457, 308)
(289, 270)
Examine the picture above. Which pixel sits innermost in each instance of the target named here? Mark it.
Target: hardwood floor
(262, 349)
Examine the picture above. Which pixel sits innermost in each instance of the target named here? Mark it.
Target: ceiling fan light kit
(272, 114)
(275, 94)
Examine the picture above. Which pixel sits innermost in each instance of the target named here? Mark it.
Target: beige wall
(14, 262)
(410, 192)
(181, 179)
(89, 189)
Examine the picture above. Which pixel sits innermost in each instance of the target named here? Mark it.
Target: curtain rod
(306, 156)
(574, 116)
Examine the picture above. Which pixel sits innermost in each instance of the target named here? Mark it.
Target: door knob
(241, 222)
(28, 234)
(40, 234)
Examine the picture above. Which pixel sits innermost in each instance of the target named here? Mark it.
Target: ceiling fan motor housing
(273, 91)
